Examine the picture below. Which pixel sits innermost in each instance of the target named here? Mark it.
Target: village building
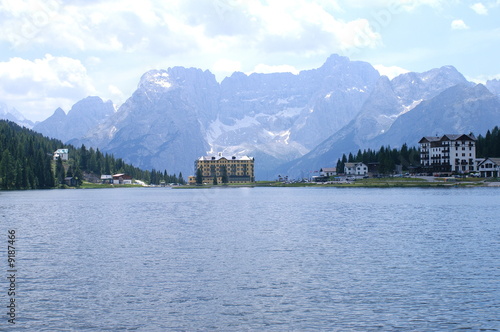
(328, 171)
(489, 167)
(106, 179)
(70, 181)
(61, 153)
(122, 179)
(448, 154)
(233, 169)
(355, 169)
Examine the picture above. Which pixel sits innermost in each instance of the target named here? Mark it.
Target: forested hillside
(26, 162)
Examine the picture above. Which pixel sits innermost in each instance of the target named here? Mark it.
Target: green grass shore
(390, 182)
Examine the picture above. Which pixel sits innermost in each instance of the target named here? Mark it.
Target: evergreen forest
(489, 145)
(386, 158)
(26, 162)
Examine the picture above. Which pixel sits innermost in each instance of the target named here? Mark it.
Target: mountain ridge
(178, 114)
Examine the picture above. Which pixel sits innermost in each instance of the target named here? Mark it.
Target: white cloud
(226, 66)
(390, 71)
(51, 81)
(459, 25)
(394, 6)
(118, 40)
(184, 26)
(479, 8)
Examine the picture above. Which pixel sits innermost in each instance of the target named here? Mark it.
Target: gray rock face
(494, 86)
(84, 115)
(162, 124)
(280, 117)
(459, 109)
(179, 114)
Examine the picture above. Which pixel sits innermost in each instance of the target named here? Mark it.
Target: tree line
(386, 157)
(158, 177)
(489, 145)
(26, 162)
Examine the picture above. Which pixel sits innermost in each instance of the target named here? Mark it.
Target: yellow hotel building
(238, 169)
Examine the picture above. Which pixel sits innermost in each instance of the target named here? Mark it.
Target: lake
(250, 259)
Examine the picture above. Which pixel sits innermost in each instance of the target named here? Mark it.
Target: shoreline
(362, 183)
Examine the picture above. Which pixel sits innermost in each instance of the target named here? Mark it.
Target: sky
(54, 53)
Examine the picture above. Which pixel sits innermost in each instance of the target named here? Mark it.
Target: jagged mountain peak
(84, 115)
(155, 79)
(174, 77)
(412, 87)
(58, 114)
(14, 115)
(437, 75)
(443, 74)
(342, 68)
(91, 106)
(335, 60)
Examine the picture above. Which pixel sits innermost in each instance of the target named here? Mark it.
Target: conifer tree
(224, 175)
(60, 173)
(7, 170)
(199, 176)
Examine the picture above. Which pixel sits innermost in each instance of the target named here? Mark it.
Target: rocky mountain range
(290, 123)
(11, 114)
(83, 116)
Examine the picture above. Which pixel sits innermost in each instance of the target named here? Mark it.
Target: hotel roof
(224, 157)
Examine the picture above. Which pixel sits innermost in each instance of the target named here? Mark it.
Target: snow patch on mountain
(161, 79)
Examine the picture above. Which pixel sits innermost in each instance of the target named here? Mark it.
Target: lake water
(251, 259)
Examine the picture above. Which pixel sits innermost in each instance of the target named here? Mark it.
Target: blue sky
(54, 53)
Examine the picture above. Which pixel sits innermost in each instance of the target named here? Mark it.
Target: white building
(107, 178)
(355, 169)
(448, 154)
(328, 171)
(489, 167)
(61, 153)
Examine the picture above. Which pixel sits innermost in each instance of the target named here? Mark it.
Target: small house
(328, 171)
(489, 167)
(106, 179)
(70, 181)
(122, 179)
(61, 153)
